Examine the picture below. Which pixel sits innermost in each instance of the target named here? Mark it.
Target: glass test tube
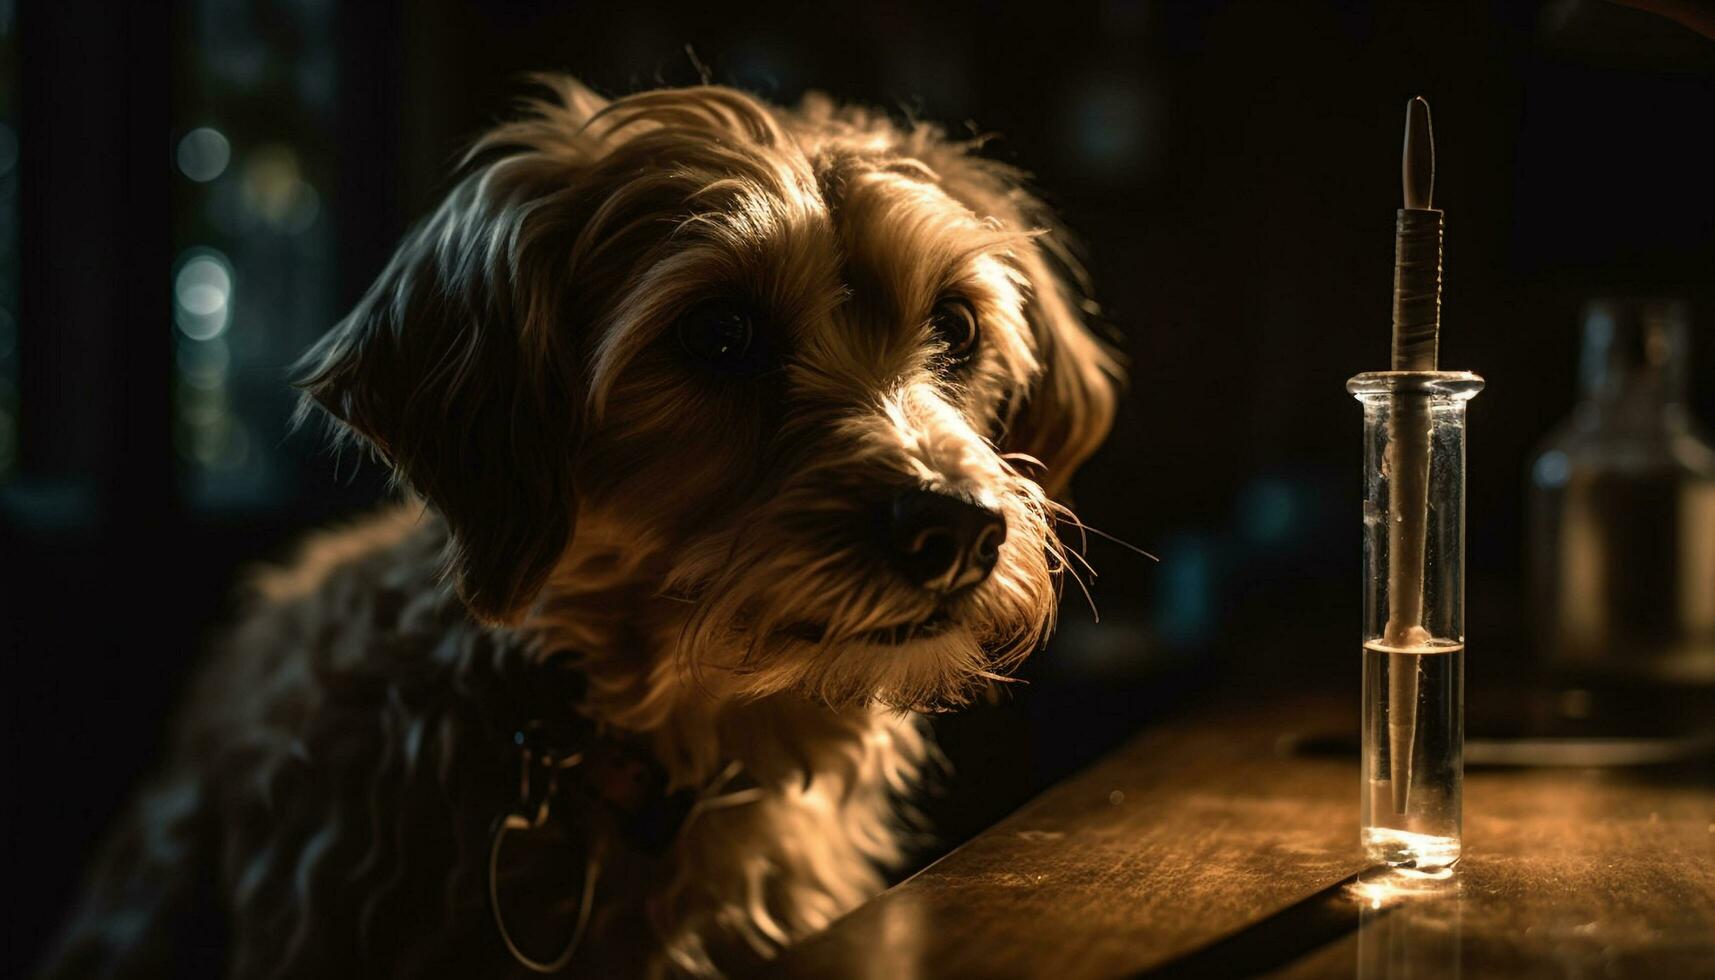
(1414, 621)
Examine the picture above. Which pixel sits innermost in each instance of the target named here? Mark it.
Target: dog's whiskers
(1082, 560)
(1066, 514)
(1072, 574)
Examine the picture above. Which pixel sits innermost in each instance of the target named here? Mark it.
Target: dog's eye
(722, 334)
(955, 325)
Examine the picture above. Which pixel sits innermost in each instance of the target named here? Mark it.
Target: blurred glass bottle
(1622, 537)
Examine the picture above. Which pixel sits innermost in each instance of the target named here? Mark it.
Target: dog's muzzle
(942, 541)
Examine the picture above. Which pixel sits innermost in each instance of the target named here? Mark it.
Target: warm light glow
(274, 190)
(1379, 888)
(1410, 851)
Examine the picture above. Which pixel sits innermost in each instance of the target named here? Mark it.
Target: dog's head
(829, 369)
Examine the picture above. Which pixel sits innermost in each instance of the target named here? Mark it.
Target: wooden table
(1206, 847)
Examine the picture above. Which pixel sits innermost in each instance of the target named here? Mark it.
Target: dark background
(1231, 167)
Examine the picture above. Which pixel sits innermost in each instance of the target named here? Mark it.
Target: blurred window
(253, 273)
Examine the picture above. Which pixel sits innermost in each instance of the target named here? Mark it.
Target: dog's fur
(703, 547)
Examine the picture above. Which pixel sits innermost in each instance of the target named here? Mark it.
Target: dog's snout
(944, 542)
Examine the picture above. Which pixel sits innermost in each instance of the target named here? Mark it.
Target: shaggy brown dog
(738, 430)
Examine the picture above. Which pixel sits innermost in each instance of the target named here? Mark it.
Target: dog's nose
(944, 542)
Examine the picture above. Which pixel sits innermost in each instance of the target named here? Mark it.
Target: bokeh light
(274, 190)
(1268, 512)
(204, 154)
(1110, 120)
(204, 364)
(202, 294)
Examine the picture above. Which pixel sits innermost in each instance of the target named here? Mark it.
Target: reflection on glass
(1409, 924)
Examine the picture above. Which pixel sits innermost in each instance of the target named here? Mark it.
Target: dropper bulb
(1417, 162)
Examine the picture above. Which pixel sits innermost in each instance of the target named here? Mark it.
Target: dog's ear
(454, 367)
(1068, 412)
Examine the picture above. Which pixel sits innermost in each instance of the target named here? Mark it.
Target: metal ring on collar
(518, 822)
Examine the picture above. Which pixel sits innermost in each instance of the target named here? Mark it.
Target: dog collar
(573, 765)
(572, 770)
(570, 766)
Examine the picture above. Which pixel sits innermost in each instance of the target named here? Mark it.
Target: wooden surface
(1206, 848)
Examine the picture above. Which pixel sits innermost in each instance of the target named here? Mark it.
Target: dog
(733, 440)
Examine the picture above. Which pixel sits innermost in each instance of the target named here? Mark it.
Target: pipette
(1416, 342)
(1414, 527)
